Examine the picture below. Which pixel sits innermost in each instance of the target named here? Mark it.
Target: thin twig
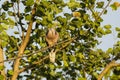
(96, 17)
(18, 8)
(104, 8)
(16, 18)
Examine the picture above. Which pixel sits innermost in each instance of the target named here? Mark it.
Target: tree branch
(36, 52)
(22, 47)
(96, 17)
(2, 64)
(104, 8)
(107, 68)
(47, 56)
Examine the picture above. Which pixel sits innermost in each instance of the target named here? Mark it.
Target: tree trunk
(2, 64)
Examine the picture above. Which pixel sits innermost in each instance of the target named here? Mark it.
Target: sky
(112, 18)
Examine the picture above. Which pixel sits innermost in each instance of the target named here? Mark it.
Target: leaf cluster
(72, 62)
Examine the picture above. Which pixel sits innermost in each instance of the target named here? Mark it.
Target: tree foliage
(79, 24)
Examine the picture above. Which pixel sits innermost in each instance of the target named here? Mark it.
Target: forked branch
(22, 47)
(107, 68)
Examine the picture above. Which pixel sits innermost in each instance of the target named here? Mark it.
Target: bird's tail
(52, 56)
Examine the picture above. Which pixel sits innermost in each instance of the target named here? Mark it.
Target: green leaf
(72, 28)
(52, 66)
(64, 60)
(1, 77)
(28, 17)
(76, 23)
(27, 9)
(27, 51)
(118, 68)
(64, 56)
(4, 44)
(52, 73)
(49, 17)
(44, 21)
(57, 1)
(40, 54)
(100, 4)
(3, 15)
(95, 74)
(45, 3)
(3, 27)
(55, 9)
(107, 26)
(65, 63)
(86, 16)
(117, 28)
(115, 77)
(100, 31)
(16, 32)
(68, 16)
(82, 32)
(81, 78)
(108, 31)
(10, 13)
(110, 50)
(73, 4)
(10, 5)
(118, 42)
(3, 36)
(29, 2)
(11, 49)
(118, 35)
(72, 58)
(1, 68)
(105, 12)
(10, 72)
(81, 56)
(11, 22)
(113, 7)
(5, 5)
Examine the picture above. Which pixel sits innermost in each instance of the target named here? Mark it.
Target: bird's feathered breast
(52, 36)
